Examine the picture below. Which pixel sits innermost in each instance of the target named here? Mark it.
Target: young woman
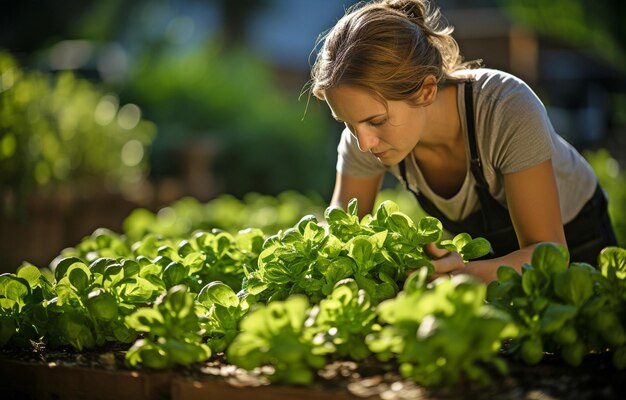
(474, 145)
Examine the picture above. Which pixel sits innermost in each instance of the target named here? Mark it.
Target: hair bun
(387, 47)
(413, 10)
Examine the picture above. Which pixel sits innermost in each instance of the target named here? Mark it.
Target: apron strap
(492, 221)
(475, 164)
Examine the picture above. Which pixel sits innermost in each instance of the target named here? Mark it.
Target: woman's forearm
(486, 270)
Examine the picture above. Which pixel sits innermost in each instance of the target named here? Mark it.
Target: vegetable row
(340, 288)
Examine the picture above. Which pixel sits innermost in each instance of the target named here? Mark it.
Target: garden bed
(297, 302)
(101, 374)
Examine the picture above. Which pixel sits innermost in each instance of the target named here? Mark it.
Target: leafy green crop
(566, 309)
(225, 212)
(443, 332)
(295, 338)
(339, 324)
(273, 334)
(102, 243)
(172, 332)
(201, 257)
(83, 306)
(93, 299)
(22, 305)
(316, 292)
(377, 253)
(221, 311)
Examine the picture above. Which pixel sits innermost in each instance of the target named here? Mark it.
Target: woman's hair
(387, 47)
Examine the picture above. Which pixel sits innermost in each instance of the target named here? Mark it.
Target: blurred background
(107, 106)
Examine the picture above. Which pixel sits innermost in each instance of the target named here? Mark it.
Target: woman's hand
(446, 262)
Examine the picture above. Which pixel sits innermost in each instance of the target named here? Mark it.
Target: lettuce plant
(102, 243)
(225, 212)
(171, 332)
(377, 253)
(568, 309)
(339, 324)
(22, 305)
(221, 310)
(315, 292)
(443, 332)
(92, 301)
(273, 334)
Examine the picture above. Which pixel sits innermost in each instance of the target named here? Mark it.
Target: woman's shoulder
(489, 77)
(496, 84)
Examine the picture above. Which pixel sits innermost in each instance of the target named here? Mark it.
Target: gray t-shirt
(513, 133)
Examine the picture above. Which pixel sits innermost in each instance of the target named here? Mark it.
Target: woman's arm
(533, 204)
(363, 189)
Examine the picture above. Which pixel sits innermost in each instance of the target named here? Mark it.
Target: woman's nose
(367, 140)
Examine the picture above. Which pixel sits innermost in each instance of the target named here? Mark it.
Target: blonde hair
(387, 47)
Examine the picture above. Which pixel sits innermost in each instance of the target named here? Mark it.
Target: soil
(595, 379)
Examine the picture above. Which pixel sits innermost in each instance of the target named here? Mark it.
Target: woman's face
(390, 134)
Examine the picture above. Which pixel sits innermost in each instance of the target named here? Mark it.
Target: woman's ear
(427, 94)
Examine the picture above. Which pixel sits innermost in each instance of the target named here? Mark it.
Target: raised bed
(102, 375)
(24, 380)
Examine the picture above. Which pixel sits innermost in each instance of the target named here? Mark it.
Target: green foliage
(265, 212)
(339, 324)
(295, 338)
(201, 257)
(612, 178)
(82, 307)
(376, 252)
(566, 309)
(441, 333)
(316, 292)
(221, 311)
(102, 243)
(273, 334)
(171, 332)
(228, 97)
(467, 247)
(89, 304)
(14, 294)
(595, 27)
(404, 199)
(57, 129)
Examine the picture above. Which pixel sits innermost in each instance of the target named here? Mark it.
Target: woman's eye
(377, 123)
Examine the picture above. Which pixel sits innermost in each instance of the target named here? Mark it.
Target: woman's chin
(389, 158)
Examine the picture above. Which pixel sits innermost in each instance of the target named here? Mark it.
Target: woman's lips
(380, 155)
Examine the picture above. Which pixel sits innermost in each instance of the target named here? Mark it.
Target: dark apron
(586, 235)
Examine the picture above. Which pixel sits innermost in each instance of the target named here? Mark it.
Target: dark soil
(595, 379)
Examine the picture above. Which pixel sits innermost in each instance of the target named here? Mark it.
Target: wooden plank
(20, 380)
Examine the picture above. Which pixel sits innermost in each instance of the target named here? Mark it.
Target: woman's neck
(443, 120)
